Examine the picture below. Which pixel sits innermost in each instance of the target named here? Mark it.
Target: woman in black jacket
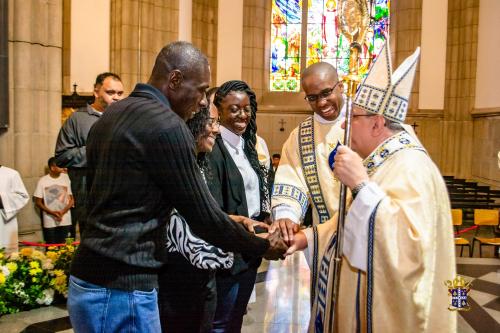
(238, 184)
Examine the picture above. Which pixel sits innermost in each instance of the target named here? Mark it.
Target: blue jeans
(93, 308)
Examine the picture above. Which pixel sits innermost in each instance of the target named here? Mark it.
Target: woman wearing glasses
(238, 184)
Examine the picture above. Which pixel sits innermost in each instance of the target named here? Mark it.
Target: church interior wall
(229, 41)
(90, 40)
(204, 31)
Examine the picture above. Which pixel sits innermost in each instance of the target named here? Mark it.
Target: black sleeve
(176, 172)
(67, 152)
(215, 175)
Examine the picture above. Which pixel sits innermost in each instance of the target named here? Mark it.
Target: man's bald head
(182, 56)
(181, 72)
(323, 70)
(320, 83)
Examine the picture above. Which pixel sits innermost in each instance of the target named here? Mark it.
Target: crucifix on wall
(414, 125)
(282, 122)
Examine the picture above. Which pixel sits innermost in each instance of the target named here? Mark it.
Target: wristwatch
(358, 188)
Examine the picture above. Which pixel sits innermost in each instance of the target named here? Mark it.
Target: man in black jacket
(141, 164)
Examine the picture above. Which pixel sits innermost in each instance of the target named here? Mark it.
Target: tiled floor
(282, 302)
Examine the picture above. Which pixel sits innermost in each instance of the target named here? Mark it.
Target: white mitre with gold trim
(385, 93)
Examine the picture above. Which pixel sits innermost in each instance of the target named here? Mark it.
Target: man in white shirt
(54, 197)
(13, 197)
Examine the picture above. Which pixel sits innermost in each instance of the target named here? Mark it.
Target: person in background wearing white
(13, 197)
(54, 197)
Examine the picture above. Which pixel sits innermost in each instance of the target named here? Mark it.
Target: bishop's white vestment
(398, 249)
(14, 197)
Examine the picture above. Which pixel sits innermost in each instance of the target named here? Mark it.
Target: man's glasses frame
(322, 95)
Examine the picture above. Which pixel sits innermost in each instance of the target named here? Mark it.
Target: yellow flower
(60, 280)
(34, 264)
(1, 255)
(38, 255)
(11, 266)
(70, 248)
(58, 272)
(51, 255)
(52, 248)
(27, 251)
(2, 278)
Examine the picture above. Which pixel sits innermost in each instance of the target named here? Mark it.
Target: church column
(139, 29)
(486, 112)
(461, 60)
(35, 47)
(255, 22)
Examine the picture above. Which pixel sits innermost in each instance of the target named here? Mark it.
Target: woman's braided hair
(198, 126)
(250, 135)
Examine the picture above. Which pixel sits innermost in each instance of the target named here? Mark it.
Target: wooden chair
(456, 215)
(485, 218)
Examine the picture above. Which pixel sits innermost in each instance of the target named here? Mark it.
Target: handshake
(280, 236)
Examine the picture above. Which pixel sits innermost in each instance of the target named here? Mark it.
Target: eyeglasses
(324, 94)
(213, 122)
(247, 110)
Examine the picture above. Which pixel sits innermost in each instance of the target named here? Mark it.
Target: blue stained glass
(325, 41)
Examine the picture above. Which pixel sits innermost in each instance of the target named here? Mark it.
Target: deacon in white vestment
(304, 176)
(13, 197)
(398, 244)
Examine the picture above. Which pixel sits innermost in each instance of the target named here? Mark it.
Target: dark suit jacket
(227, 187)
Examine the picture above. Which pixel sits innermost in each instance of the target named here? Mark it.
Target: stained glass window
(286, 33)
(324, 39)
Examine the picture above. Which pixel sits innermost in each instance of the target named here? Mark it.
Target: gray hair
(394, 126)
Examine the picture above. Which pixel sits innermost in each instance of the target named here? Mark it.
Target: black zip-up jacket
(141, 163)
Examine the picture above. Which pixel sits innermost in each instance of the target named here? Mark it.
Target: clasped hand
(349, 168)
(277, 247)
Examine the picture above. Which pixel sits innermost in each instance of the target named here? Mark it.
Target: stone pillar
(254, 44)
(204, 31)
(35, 47)
(456, 157)
(139, 29)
